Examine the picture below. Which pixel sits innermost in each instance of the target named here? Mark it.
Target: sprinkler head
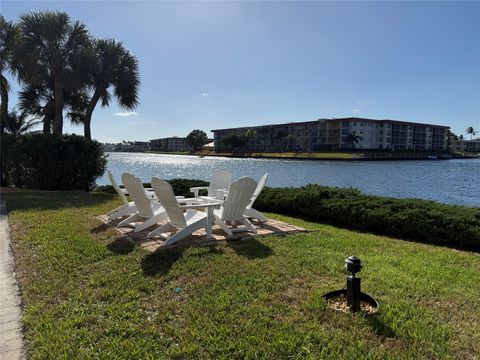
(353, 265)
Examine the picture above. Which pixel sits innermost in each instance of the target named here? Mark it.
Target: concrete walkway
(11, 342)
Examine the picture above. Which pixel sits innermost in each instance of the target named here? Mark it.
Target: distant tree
(196, 139)
(353, 139)
(250, 133)
(470, 131)
(233, 142)
(460, 137)
(18, 123)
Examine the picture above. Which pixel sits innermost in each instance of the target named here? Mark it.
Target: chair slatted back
(258, 190)
(239, 195)
(165, 195)
(136, 191)
(221, 180)
(117, 188)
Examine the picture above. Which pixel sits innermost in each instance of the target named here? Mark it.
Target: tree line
(63, 71)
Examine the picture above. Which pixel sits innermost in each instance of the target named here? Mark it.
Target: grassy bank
(89, 294)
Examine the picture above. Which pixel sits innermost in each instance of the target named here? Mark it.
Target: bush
(420, 220)
(52, 162)
(180, 186)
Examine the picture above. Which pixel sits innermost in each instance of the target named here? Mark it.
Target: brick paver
(11, 342)
(198, 238)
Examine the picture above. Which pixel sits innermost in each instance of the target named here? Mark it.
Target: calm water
(448, 181)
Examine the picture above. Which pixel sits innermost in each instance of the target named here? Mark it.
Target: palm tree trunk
(3, 121)
(58, 119)
(88, 114)
(4, 104)
(48, 118)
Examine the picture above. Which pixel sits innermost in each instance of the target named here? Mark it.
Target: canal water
(447, 181)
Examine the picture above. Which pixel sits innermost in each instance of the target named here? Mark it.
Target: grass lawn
(89, 294)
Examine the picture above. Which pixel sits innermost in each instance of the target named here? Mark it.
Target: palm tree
(51, 49)
(18, 123)
(113, 66)
(470, 131)
(8, 36)
(353, 139)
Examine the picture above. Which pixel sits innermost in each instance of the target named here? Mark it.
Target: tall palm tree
(113, 66)
(18, 123)
(40, 103)
(353, 139)
(52, 47)
(470, 131)
(8, 36)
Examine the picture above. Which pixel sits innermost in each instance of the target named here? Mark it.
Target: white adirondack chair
(218, 185)
(147, 211)
(250, 211)
(180, 223)
(127, 208)
(234, 206)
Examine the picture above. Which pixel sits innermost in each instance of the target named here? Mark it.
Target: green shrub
(420, 220)
(180, 186)
(52, 162)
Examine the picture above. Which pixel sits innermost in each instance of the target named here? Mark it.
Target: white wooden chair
(250, 211)
(219, 184)
(180, 223)
(127, 208)
(234, 206)
(147, 211)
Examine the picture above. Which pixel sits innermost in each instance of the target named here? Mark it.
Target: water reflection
(450, 181)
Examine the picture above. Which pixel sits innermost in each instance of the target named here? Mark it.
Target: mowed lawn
(89, 294)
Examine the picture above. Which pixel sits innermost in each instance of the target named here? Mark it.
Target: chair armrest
(196, 190)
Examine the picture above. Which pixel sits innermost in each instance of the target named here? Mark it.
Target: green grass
(89, 294)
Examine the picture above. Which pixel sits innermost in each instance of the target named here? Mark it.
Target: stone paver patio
(198, 238)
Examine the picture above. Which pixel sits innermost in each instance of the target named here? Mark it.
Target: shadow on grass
(121, 246)
(161, 261)
(251, 249)
(379, 327)
(100, 228)
(53, 200)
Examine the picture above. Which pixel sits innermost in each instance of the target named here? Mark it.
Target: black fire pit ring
(363, 297)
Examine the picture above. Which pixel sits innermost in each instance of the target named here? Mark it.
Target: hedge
(52, 162)
(411, 219)
(180, 186)
(414, 219)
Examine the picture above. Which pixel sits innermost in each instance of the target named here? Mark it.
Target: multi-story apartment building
(170, 144)
(334, 134)
(462, 145)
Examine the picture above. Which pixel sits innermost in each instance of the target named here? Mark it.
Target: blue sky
(212, 65)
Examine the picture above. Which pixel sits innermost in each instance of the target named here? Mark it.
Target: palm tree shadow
(161, 261)
(251, 249)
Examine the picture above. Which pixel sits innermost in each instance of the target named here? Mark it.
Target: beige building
(170, 144)
(335, 134)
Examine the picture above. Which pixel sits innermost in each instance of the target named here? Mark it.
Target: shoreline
(341, 156)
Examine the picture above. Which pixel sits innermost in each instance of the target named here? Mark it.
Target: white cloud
(355, 111)
(126, 113)
(204, 94)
